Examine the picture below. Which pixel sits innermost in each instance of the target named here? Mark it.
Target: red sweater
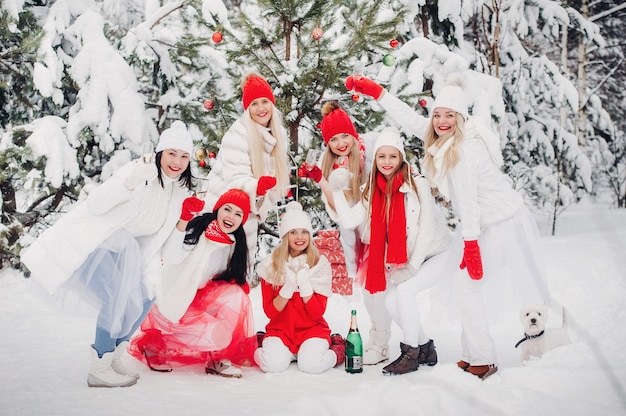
(298, 321)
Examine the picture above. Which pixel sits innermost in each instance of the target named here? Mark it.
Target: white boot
(223, 368)
(102, 374)
(118, 365)
(377, 348)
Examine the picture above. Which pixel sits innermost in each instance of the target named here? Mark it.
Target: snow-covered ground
(44, 354)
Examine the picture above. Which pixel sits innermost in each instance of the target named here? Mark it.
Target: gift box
(329, 246)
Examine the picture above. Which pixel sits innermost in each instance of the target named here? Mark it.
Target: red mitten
(315, 173)
(191, 206)
(471, 259)
(264, 184)
(365, 86)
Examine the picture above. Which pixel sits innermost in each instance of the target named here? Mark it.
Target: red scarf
(214, 233)
(392, 233)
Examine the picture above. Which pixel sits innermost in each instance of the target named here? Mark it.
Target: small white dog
(537, 339)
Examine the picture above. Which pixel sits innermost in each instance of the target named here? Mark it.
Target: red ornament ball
(356, 97)
(209, 104)
(393, 43)
(211, 155)
(217, 37)
(423, 103)
(202, 163)
(317, 33)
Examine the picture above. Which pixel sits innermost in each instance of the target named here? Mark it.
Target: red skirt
(217, 325)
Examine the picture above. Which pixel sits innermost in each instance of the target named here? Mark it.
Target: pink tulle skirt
(217, 325)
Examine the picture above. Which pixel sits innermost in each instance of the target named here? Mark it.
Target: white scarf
(440, 180)
(269, 141)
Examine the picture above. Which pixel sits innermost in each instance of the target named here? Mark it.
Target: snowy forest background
(85, 83)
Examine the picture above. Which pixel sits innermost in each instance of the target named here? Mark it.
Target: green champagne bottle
(354, 347)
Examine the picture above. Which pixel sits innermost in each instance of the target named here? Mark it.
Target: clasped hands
(296, 280)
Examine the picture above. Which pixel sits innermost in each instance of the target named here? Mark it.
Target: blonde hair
(452, 156)
(257, 148)
(280, 256)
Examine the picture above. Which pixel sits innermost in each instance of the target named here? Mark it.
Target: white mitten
(290, 286)
(402, 274)
(339, 179)
(143, 172)
(304, 284)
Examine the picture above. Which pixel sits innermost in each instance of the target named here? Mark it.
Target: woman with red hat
(204, 314)
(345, 154)
(257, 137)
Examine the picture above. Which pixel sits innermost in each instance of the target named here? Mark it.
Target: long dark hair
(237, 268)
(185, 177)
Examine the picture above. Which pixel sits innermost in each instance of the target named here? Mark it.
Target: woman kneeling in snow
(204, 315)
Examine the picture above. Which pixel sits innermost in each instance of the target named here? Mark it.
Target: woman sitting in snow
(108, 249)
(296, 283)
(204, 315)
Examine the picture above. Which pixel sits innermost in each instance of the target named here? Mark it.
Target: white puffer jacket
(233, 169)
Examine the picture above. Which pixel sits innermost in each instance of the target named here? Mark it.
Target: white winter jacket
(233, 169)
(426, 230)
(480, 193)
(61, 249)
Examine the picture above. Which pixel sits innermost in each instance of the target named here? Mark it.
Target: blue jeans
(105, 343)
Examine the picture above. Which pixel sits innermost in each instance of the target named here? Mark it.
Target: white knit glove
(304, 284)
(290, 286)
(339, 179)
(142, 173)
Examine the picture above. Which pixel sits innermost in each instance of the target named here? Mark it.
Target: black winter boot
(407, 362)
(427, 355)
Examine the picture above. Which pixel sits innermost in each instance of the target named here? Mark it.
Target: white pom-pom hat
(452, 95)
(389, 136)
(176, 137)
(293, 218)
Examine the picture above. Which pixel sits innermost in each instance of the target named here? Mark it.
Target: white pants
(314, 356)
(510, 248)
(401, 299)
(348, 240)
(379, 315)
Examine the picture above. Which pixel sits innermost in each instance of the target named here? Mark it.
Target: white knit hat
(452, 95)
(389, 136)
(176, 137)
(293, 218)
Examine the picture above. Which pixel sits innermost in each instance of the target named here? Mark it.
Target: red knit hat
(236, 197)
(336, 122)
(256, 87)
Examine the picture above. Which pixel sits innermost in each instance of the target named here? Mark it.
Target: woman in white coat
(107, 249)
(463, 160)
(204, 313)
(243, 160)
(408, 243)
